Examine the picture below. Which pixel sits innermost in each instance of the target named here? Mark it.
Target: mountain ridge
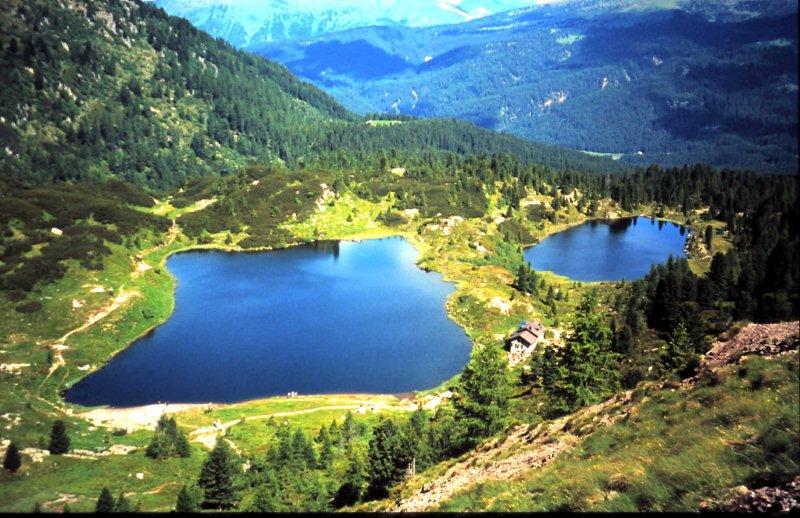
(707, 81)
(118, 88)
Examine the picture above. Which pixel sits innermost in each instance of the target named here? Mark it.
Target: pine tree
(189, 499)
(303, 451)
(353, 486)
(678, 350)
(182, 448)
(168, 440)
(105, 503)
(527, 280)
(709, 236)
(122, 505)
(264, 502)
(389, 456)
(59, 440)
(483, 394)
(325, 449)
(416, 431)
(159, 447)
(217, 477)
(584, 370)
(13, 460)
(348, 428)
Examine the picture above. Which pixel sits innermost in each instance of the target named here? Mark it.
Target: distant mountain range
(117, 88)
(670, 82)
(251, 22)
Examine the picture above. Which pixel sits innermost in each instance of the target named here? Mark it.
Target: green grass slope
(674, 450)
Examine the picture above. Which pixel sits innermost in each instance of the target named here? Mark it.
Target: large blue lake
(327, 318)
(609, 250)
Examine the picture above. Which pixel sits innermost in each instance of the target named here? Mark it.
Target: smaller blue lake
(609, 250)
(332, 317)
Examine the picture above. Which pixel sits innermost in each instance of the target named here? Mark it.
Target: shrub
(30, 306)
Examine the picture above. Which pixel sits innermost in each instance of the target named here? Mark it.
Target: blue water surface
(334, 317)
(609, 250)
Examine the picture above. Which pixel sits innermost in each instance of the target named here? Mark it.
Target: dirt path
(59, 346)
(139, 264)
(139, 267)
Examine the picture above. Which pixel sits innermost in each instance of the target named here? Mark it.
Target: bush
(15, 295)
(32, 306)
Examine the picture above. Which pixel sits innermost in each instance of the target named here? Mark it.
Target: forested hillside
(94, 89)
(645, 82)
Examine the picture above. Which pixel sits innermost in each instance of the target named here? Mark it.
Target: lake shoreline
(160, 265)
(420, 245)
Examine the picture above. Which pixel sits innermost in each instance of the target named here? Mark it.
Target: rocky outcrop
(778, 499)
(760, 339)
(525, 448)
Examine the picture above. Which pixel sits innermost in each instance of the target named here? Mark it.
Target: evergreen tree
(182, 448)
(303, 451)
(349, 428)
(527, 280)
(416, 432)
(122, 505)
(264, 502)
(59, 440)
(483, 394)
(168, 440)
(354, 481)
(159, 447)
(388, 457)
(678, 350)
(12, 460)
(189, 499)
(325, 448)
(105, 503)
(709, 236)
(218, 477)
(585, 370)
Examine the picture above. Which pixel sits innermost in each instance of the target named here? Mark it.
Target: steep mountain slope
(667, 446)
(668, 82)
(97, 88)
(248, 22)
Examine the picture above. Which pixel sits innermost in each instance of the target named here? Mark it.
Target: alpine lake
(334, 317)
